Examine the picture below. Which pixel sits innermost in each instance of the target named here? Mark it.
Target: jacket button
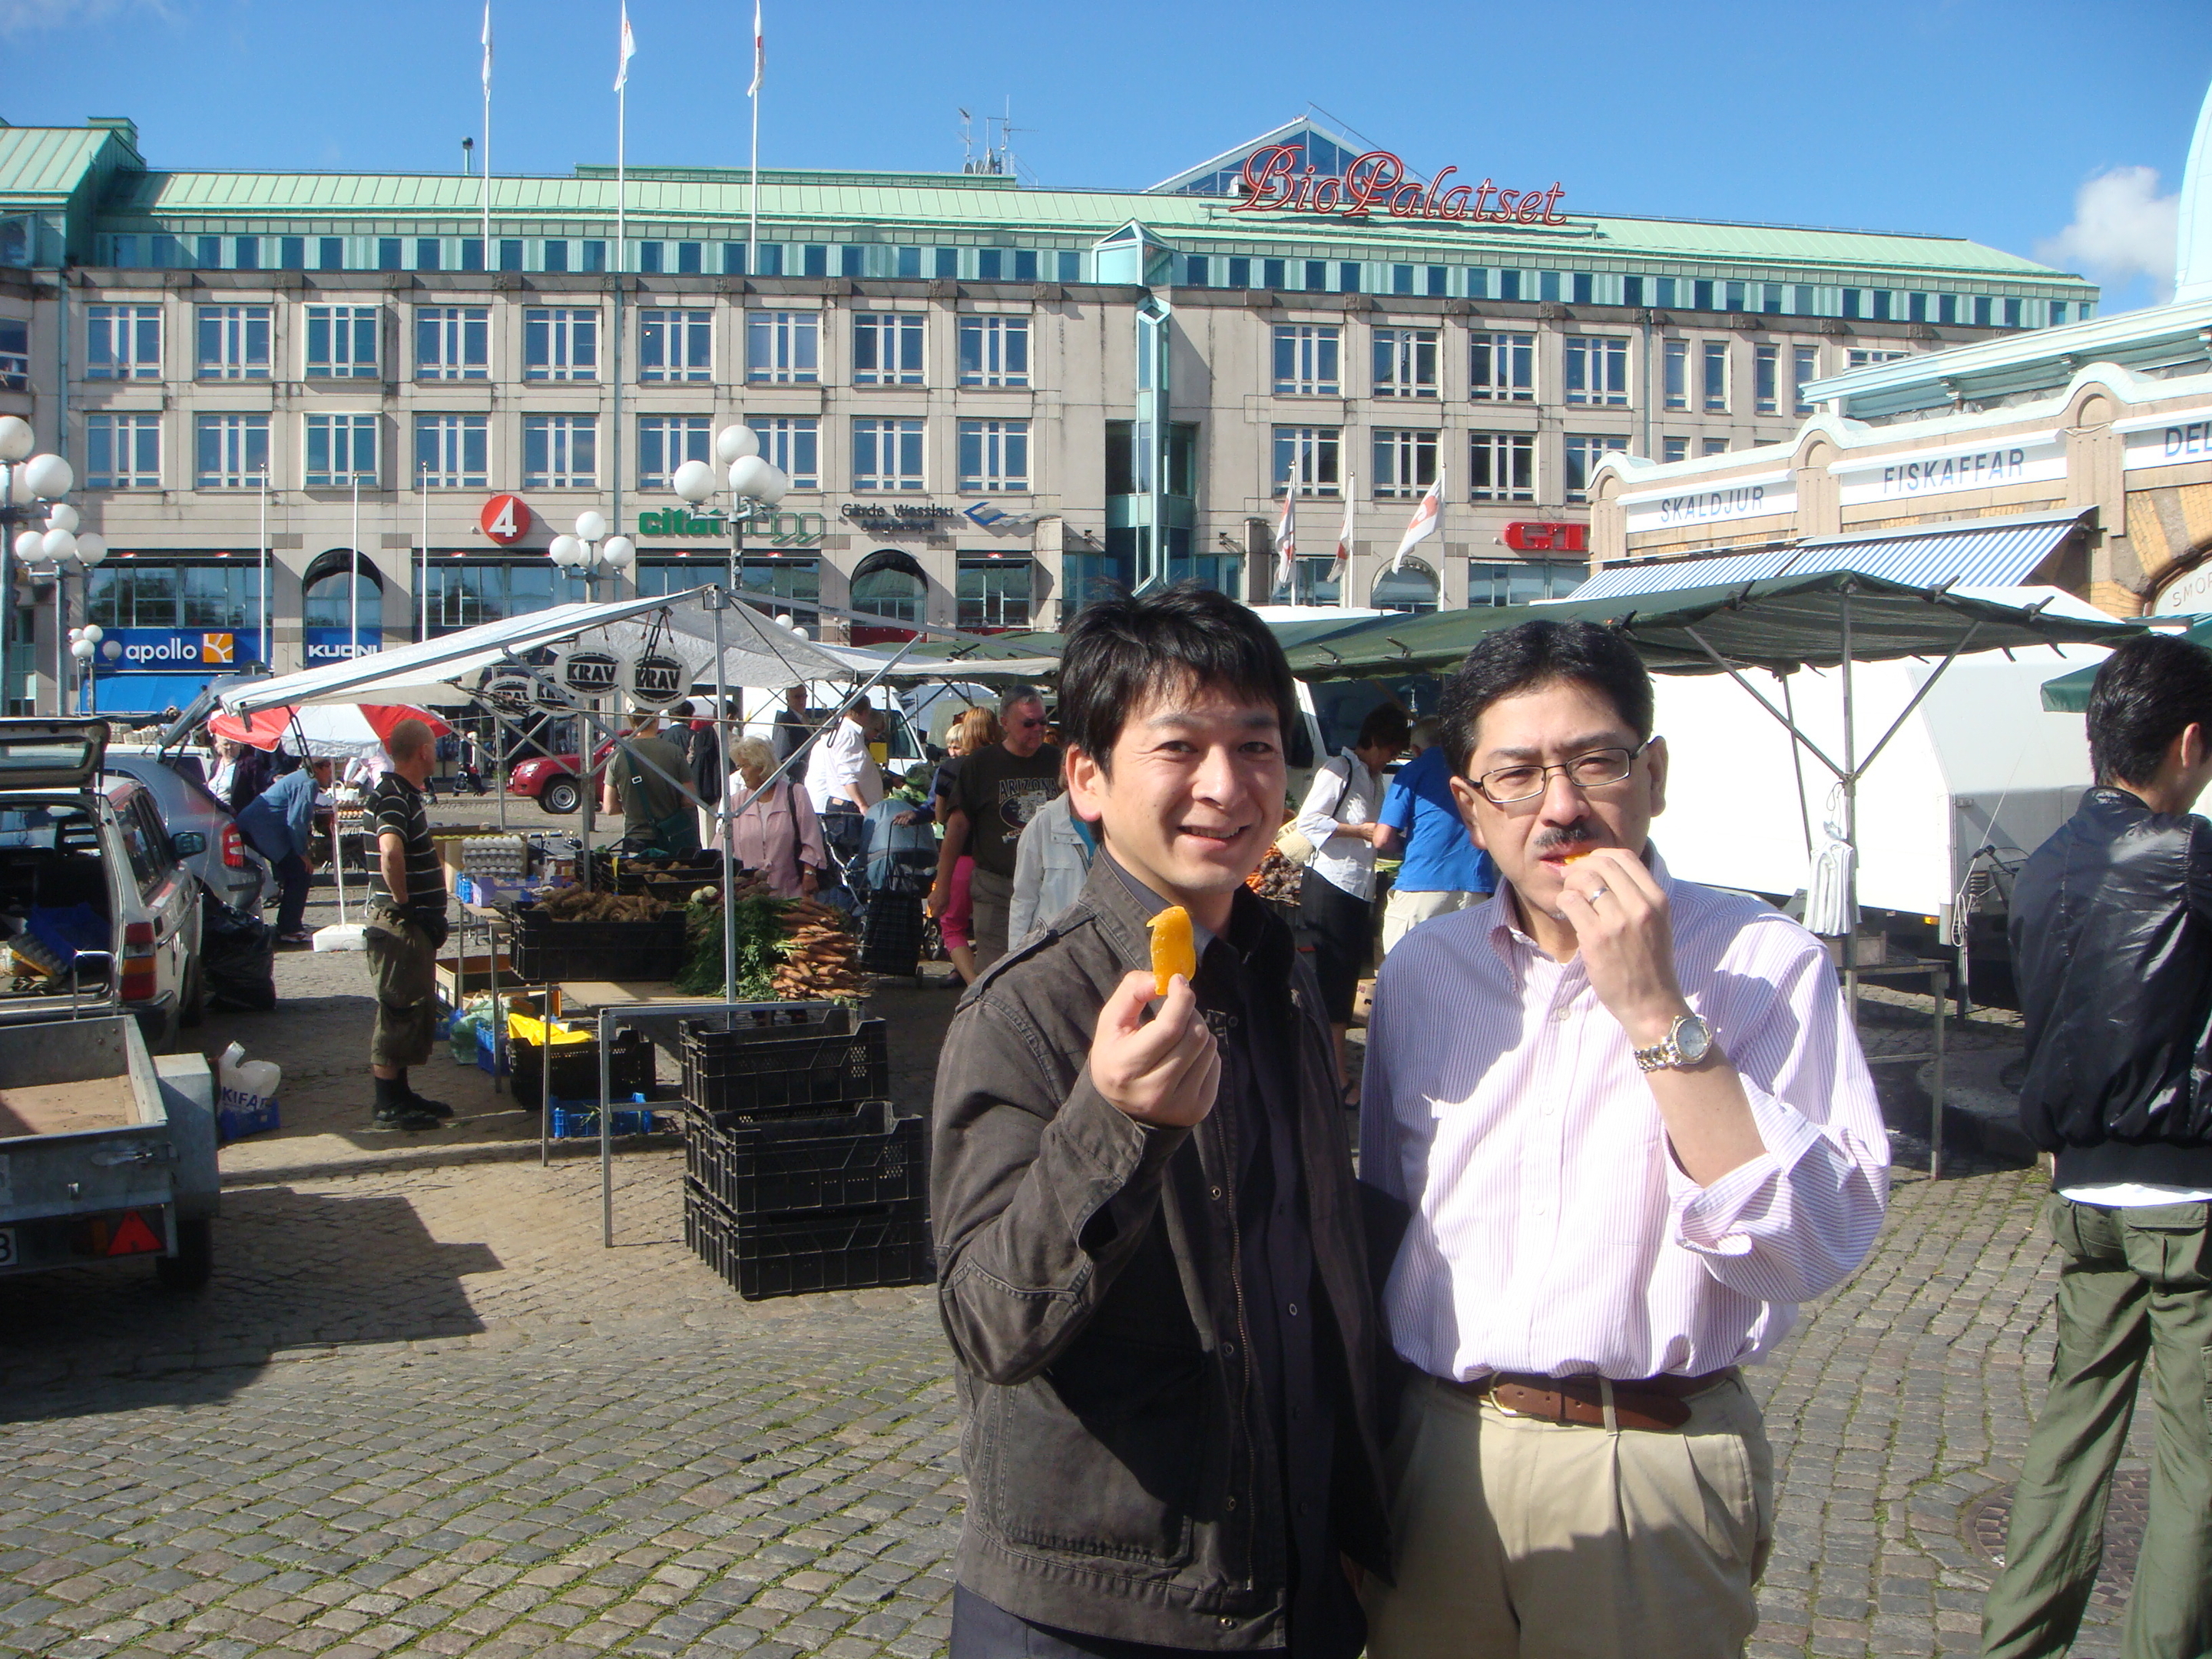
(1230, 1349)
(1214, 1191)
(1226, 1621)
(1232, 1501)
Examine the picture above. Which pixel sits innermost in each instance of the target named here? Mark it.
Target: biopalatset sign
(1377, 182)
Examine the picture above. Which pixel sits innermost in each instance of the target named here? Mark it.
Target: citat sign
(1377, 182)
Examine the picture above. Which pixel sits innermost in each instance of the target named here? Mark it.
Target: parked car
(98, 910)
(552, 780)
(227, 866)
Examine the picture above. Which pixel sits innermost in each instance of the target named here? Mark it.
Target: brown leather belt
(1655, 1403)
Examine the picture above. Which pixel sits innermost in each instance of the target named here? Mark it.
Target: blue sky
(2030, 125)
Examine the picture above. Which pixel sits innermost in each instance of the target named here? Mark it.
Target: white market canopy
(757, 652)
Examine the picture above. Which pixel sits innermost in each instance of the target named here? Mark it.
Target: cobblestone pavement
(421, 1410)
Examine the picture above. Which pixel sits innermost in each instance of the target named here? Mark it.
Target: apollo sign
(1377, 182)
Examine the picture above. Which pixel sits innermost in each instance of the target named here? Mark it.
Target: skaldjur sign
(1377, 182)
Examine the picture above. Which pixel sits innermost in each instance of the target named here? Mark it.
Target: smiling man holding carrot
(1149, 1255)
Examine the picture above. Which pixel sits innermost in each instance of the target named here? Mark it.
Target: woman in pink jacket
(773, 832)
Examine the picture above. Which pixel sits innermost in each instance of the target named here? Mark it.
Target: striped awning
(1970, 553)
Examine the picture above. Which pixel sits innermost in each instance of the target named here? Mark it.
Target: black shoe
(405, 1117)
(437, 1108)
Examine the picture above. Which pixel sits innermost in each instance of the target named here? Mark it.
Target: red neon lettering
(1405, 204)
(1327, 196)
(1531, 209)
(1371, 179)
(1551, 204)
(1454, 203)
(1436, 187)
(1482, 194)
(1506, 198)
(1262, 169)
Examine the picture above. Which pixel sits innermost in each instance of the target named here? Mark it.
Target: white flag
(1423, 524)
(1286, 542)
(628, 50)
(487, 46)
(1344, 535)
(760, 54)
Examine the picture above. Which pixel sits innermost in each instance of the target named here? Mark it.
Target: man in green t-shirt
(645, 782)
(997, 791)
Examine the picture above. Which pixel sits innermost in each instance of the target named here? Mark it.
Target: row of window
(1615, 288)
(1501, 466)
(559, 452)
(1308, 363)
(129, 251)
(991, 591)
(560, 343)
(886, 261)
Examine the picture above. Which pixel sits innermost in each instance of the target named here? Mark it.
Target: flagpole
(487, 136)
(752, 196)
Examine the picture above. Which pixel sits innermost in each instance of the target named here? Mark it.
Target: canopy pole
(1898, 724)
(1788, 724)
(718, 600)
(1798, 769)
(1850, 811)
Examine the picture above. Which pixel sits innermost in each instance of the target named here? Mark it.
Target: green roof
(43, 165)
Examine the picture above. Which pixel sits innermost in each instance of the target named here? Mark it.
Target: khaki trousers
(1404, 912)
(1519, 1539)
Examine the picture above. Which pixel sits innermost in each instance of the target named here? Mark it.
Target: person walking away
(998, 790)
(404, 925)
(1441, 869)
(1635, 1127)
(1052, 861)
(1336, 899)
(646, 779)
(2111, 945)
(975, 730)
(473, 762)
(843, 778)
(773, 831)
(702, 747)
(1151, 1264)
(280, 823)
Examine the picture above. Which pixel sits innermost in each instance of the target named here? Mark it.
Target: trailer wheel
(562, 797)
(188, 1270)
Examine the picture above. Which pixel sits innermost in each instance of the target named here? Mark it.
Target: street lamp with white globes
(752, 480)
(590, 547)
(39, 477)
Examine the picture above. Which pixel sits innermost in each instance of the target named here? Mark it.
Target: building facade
(990, 399)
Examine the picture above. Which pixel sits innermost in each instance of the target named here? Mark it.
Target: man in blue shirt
(1443, 870)
(280, 822)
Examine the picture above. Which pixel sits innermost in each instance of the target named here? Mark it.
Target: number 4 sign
(504, 519)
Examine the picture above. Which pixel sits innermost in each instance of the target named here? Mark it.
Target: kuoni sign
(1377, 182)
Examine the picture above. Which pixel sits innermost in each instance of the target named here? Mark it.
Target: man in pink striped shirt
(1634, 1128)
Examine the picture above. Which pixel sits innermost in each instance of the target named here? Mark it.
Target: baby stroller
(890, 875)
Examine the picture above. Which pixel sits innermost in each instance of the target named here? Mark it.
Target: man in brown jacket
(1150, 1249)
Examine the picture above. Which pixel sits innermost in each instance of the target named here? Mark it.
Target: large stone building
(989, 398)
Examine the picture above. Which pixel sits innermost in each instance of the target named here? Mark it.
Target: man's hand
(938, 899)
(1626, 941)
(1163, 1070)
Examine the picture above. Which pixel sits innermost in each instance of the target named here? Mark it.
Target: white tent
(757, 652)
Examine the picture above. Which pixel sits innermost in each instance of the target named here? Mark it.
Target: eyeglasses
(1504, 785)
(1031, 726)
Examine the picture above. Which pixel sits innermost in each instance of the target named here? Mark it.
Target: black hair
(1124, 649)
(1531, 654)
(2146, 694)
(1385, 726)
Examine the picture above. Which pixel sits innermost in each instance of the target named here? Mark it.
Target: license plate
(7, 1247)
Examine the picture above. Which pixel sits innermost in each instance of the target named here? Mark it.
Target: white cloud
(2122, 230)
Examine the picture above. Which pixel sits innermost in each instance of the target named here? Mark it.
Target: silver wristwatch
(1688, 1041)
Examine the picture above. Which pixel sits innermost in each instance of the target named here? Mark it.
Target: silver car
(226, 864)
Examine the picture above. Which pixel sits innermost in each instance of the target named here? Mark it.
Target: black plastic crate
(763, 1256)
(619, 872)
(546, 950)
(576, 1069)
(865, 1157)
(737, 1076)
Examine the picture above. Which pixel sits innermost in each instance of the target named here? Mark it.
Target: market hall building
(992, 398)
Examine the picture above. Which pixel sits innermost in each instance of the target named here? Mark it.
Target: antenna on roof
(967, 143)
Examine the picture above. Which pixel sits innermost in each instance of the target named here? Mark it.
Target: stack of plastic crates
(798, 1175)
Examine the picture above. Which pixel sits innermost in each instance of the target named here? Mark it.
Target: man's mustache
(1566, 836)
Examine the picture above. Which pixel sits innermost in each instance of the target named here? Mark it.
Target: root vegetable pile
(1276, 878)
(821, 957)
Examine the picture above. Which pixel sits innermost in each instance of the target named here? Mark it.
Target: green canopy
(2069, 693)
(1782, 624)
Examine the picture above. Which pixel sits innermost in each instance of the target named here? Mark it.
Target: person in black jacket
(2112, 941)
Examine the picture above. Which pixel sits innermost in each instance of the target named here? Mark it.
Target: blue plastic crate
(578, 1120)
(231, 1124)
(489, 1057)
